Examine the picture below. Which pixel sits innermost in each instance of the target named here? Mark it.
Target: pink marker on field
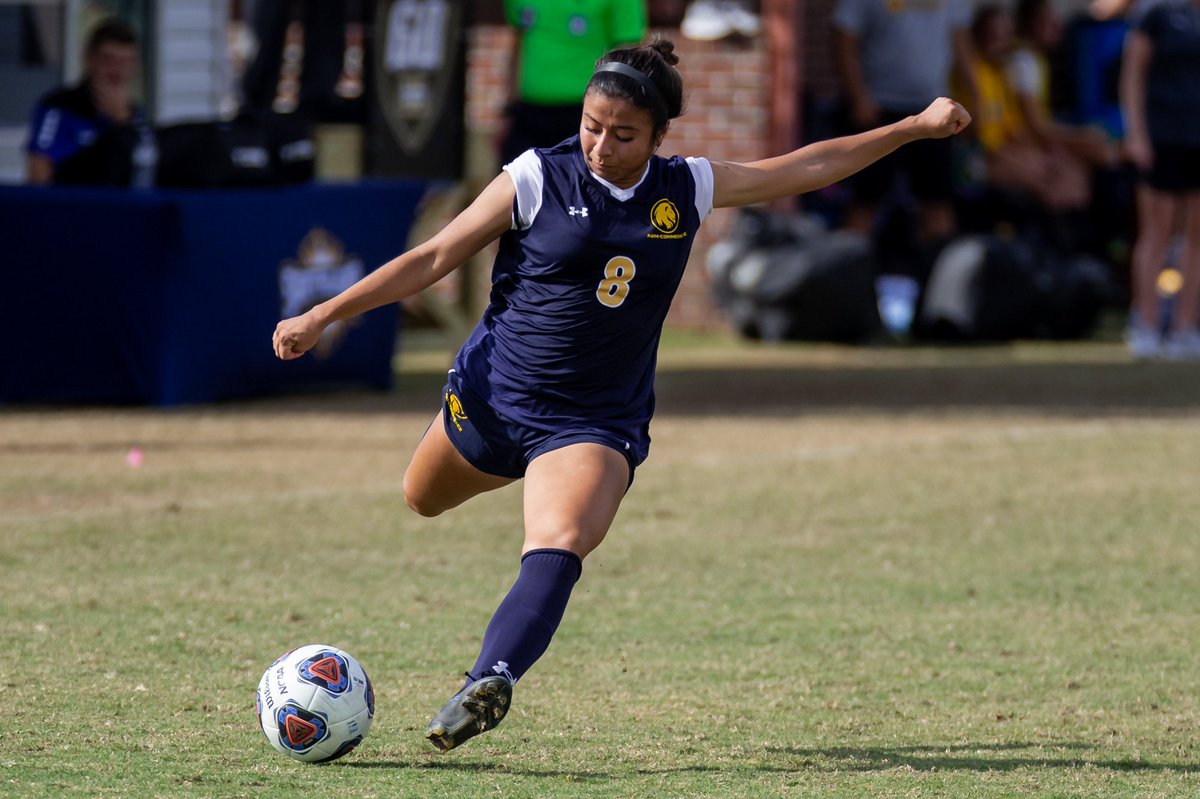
(134, 457)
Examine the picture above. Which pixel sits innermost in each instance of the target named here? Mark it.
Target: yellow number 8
(614, 288)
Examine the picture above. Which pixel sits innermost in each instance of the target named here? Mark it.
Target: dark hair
(111, 30)
(1027, 14)
(984, 14)
(656, 60)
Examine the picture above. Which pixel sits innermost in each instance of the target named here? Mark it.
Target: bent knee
(421, 507)
(420, 501)
(581, 542)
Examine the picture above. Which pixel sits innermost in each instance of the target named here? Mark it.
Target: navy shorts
(499, 446)
(1176, 169)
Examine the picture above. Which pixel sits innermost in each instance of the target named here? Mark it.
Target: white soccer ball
(315, 703)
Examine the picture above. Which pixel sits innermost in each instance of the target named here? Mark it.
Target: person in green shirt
(557, 45)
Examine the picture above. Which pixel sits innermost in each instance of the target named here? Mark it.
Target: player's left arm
(822, 163)
(483, 221)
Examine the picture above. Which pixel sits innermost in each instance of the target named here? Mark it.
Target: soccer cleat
(477, 708)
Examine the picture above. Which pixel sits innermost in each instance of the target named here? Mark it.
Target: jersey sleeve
(1022, 72)
(1148, 18)
(850, 16)
(628, 22)
(960, 15)
(703, 175)
(526, 173)
(46, 133)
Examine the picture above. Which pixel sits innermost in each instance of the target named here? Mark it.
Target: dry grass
(963, 572)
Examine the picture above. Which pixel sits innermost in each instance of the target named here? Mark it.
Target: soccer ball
(315, 703)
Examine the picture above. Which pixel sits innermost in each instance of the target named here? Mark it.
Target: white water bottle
(145, 159)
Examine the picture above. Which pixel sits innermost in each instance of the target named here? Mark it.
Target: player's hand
(942, 118)
(296, 336)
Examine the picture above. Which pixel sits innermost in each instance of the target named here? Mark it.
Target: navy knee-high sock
(521, 628)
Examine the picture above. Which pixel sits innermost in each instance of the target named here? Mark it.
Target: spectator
(555, 50)
(1160, 100)
(1015, 160)
(895, 58)
(1039, 32)
(87, 133)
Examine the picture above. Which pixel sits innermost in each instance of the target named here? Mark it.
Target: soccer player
(555, 384)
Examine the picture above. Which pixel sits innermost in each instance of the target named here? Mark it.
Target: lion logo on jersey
(664, 216)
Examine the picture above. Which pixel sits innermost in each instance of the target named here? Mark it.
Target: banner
(418, 100)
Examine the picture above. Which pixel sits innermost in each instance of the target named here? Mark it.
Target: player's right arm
(482, 222)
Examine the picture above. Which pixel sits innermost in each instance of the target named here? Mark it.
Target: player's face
(112, 64)
(617, 138)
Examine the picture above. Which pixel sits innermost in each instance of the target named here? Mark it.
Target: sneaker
(704, 21)
(1182, 345)
(1143, 341)
(741, 19)
(477, 708)
(709, 20)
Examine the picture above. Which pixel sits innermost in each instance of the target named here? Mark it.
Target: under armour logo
(573, 211)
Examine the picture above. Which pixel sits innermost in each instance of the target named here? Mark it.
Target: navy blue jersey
(578, 299)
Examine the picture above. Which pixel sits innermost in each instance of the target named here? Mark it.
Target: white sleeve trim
(526, 173)
(703, 175)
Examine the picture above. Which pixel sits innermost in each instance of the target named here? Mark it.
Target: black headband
(641, 77)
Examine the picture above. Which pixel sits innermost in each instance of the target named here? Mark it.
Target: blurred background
(279, 148)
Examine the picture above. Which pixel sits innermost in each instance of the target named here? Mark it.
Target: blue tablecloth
(168, 297)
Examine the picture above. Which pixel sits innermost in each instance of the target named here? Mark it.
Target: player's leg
(1184, 341)
(439, 478)
(1156, 224)
(571, 497)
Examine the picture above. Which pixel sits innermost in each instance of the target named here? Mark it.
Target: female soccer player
(555, 384)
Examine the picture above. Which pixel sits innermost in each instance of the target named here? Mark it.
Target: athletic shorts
(499, 446)
(1176, 169)
(927, 164)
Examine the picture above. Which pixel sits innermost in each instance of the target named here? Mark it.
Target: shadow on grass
(490, 767)
(967, 757)
(1067, 382)
(1067, 388)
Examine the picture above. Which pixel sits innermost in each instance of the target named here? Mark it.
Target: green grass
(842, 573)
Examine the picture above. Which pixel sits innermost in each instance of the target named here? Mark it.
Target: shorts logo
(455, 409)
(664, 216)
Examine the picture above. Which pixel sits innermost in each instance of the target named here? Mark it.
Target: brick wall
(726, 119)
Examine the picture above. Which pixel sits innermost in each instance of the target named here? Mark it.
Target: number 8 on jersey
(614, 288)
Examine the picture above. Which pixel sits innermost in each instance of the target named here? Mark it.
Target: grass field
(842, 573)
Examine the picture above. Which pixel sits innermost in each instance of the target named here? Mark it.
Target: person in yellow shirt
(1014, 157)
(1039, 32)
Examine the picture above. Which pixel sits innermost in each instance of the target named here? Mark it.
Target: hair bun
(666, 49)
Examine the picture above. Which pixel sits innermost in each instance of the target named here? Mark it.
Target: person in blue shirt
(556, 383)
(72, 125)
